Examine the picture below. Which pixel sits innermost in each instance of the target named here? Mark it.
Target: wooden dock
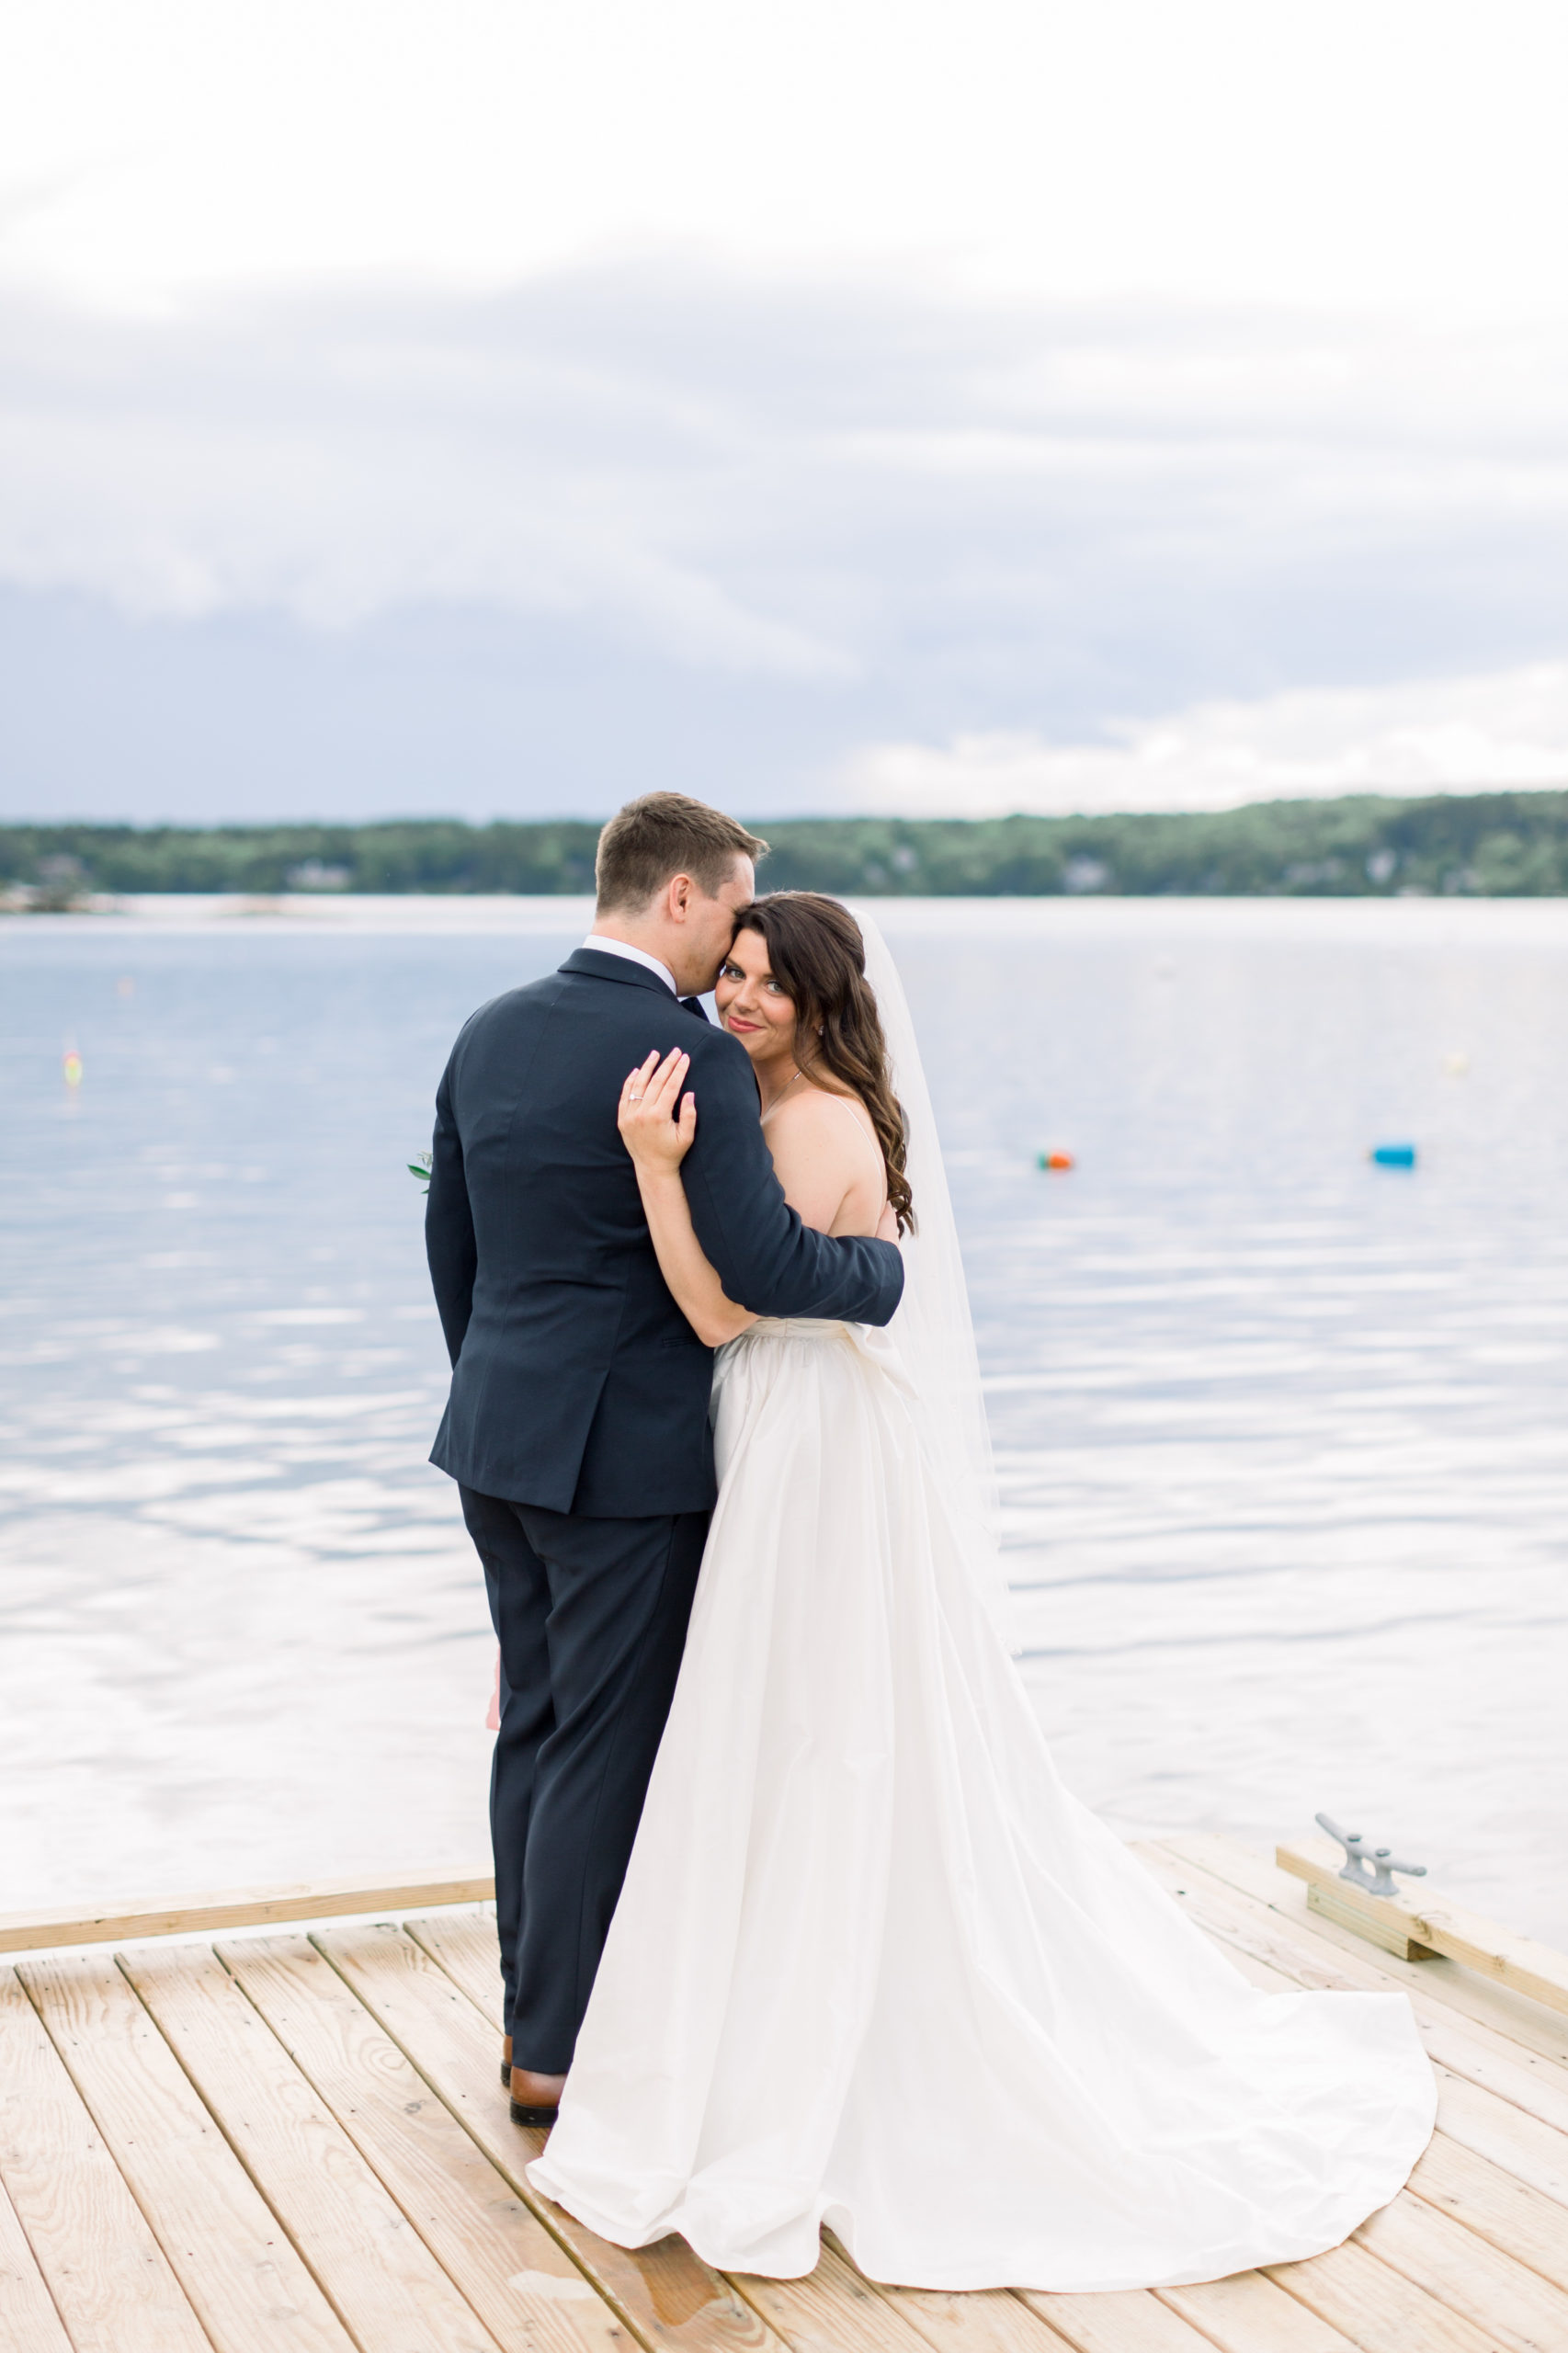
(298, 2143)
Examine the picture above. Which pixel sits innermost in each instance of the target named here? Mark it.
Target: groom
(577, 1425)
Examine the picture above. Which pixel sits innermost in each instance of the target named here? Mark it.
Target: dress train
(874, 1967)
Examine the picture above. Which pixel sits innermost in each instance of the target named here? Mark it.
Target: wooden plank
(28, 2320)
(1531, 1969)
(663, 2293)
(1468, 2274)
(228, 2250)
(832, 2307)
(1246, 2313)
(1522, 2078)
(374, 2270)
(1133, 2322)
(470, 1952)
(1466, 2057)
(1249, 2313)
(1539, 2031)
(1518, 2145)
(526, 2288)
(1380, 2309)
(106, 2272)
(1391, 1937)
(1496, 2207)
(983, 2320)
(125, 1922)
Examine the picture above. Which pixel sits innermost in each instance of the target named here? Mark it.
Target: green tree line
(1491, 845)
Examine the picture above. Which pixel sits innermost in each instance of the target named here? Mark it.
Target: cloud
(332, 462)
(1450, 736)
(810, 513)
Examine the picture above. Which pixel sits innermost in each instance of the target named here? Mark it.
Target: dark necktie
(693, 1005)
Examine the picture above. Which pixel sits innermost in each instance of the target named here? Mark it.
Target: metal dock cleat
(1369, 1867)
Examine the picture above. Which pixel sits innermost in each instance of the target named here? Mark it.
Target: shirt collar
(635, 955)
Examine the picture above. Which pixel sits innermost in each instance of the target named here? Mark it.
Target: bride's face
(752, 1006)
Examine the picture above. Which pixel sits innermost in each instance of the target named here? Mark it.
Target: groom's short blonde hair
(661, 835)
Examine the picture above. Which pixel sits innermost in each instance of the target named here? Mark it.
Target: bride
(872, 1966)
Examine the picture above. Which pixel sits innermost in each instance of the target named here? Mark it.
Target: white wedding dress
(873, 1966)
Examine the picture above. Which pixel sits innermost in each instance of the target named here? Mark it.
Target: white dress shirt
(638, 956)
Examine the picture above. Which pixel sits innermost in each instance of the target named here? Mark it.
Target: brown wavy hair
(818, 957)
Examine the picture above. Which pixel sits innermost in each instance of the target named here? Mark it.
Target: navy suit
(577, 1423)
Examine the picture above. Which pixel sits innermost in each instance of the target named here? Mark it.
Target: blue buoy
(1392, 1155)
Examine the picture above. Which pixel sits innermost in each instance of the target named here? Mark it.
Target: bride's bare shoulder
(827, 1140)
(827, 1159)
(820, 1116)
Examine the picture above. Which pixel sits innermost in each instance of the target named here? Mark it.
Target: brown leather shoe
(535, 2099)
(505, 2058)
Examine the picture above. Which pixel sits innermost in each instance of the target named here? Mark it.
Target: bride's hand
(653, 1132)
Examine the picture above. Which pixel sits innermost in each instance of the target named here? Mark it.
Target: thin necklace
(784, 1090)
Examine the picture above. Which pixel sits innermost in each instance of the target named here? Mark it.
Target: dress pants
(591, 1617)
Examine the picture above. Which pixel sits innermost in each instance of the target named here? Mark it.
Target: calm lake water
(1282, 1435)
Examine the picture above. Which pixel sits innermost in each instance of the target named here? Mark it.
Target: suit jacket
(577, 1383)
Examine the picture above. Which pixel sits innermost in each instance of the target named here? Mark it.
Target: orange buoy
(1055, 1160)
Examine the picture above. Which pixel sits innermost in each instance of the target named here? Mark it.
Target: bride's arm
(658, 1141)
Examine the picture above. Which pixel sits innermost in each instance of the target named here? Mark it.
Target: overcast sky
(497, 409)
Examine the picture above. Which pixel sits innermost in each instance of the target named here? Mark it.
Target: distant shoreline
(1480, 845)
(950, 925)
